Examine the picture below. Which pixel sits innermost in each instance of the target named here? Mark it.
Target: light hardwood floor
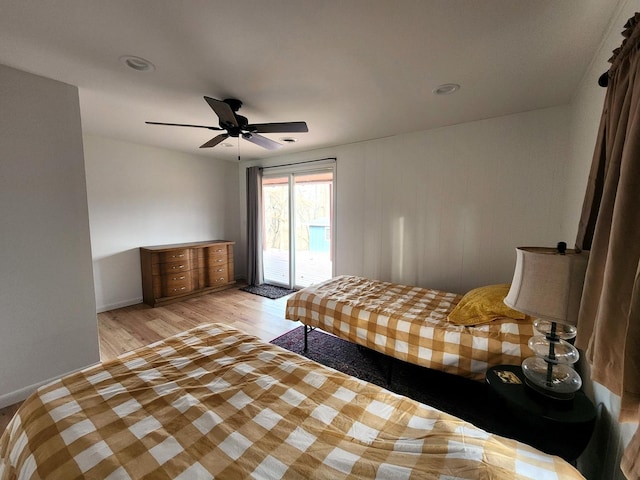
(128, 328)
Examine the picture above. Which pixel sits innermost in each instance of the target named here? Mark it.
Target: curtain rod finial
(603, 80)
(562, 248)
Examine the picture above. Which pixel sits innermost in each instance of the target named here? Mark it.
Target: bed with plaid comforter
(213, 402)
(410, 323)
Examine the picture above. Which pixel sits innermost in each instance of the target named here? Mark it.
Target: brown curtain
(254, 226)
(609, 320)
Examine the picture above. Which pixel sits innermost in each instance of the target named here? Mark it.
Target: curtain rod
(299, 163)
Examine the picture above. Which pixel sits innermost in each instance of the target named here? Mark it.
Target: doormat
(266, 290)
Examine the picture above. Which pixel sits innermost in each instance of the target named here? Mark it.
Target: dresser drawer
(181, 255)
(217, 279)
(170, 267)
(216, 250)
(217, 270)
(177, 289)
(173, 267)
(210, 261)
(173, 279)
(214, 260)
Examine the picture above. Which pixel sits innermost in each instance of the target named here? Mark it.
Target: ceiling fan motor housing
(234, 103)
(234, 130)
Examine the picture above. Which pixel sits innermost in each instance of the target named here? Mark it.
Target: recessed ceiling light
(227, 144)
(288, 140)
(446, 89)
(137, 63)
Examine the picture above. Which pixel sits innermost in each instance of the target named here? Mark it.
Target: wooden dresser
(176, 272)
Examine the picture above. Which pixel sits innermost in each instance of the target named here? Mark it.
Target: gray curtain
(609, 319)
(254, 226)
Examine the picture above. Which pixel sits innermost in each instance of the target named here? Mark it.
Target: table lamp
(547, 285)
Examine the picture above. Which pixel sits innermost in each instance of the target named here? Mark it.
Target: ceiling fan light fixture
(138, 64)
(446, 89)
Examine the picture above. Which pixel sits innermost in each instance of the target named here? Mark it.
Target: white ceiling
(352, 69)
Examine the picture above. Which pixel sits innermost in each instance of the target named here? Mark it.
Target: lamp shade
(547, 284)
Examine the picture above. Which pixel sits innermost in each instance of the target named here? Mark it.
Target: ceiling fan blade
(283, 127)
(261, 141)
(183, 125)
(215, 141)
(223, 111)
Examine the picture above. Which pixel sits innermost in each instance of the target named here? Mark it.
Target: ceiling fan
(237, 125)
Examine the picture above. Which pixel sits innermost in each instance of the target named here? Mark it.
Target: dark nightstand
(558, 427)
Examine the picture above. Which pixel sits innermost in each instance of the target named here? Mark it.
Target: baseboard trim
(113, 306)
(21, 394)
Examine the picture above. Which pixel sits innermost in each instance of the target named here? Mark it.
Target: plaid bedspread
(410, 323)
(216, 403)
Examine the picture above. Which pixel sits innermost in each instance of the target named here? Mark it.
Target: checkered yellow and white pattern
(410, 323)
(216, 403)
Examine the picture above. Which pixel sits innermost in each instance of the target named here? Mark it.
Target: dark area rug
(467, 399)
(266, 290)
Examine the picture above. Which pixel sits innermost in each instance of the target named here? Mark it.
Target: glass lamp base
(557, 381)
(560, 330)
(563, 352)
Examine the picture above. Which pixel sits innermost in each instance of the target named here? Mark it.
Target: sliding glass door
(297, 227)
(276, 264)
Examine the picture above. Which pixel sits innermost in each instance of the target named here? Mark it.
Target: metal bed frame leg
(306, 335)
(307, 330)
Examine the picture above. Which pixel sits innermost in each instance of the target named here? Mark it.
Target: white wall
(48, 324)
(446, 208)
(141, 196)
(601, 459)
